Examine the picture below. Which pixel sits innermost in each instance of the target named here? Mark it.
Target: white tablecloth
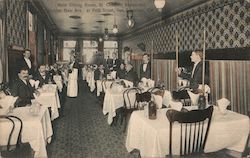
(37, 130)
(50, 98)
(72, 89)
(90, 80)
(113, 100)
(151, 137)
(99, 87)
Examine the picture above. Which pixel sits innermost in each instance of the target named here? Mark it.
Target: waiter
(145, 69)
(194, 75)
(25, 62)
(73, 75)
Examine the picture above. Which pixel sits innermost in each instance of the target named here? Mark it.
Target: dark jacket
(121, 73)
(116, 64)
(42, 81)
(132, 76)
(22, 64)
(196, 79)
(23, 91)
(98, 75)
(147, 73)
(109, 63)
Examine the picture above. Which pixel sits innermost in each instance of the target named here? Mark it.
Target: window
(68, 46)
(90, 48)
(110, 47)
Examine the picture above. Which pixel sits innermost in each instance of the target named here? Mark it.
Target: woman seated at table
(121, 71)
(131, 75)
(194, 76)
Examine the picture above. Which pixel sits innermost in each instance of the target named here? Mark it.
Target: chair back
(183, 97)
(154, 89)
(194, 127)
(129, 96)
(13, 120)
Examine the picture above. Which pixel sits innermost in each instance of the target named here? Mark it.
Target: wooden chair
(130, 104)
(10, 146)
(182, 96)
(190, 122)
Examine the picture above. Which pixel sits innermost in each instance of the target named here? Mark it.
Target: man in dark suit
(145, 69)
(22, 89)
(130, 74)
(115, 62)
(25, 62)
(109, 62)
(100, 73)
(42, 76)
(194, 76)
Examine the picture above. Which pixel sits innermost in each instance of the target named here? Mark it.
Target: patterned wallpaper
(226, 23)
(16, 21)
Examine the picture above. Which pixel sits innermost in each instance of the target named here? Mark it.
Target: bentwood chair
(130, 104)
(10, 144)
(194, 128)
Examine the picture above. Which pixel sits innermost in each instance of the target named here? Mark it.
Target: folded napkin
(128, 83)
(151, 83)
(175, 105)
(207, 88)
(194, 97)
(6, 103)
(222, 104)
(113, 74)
(34, 83)
(158, 100)
(167, 97)
(144, 81)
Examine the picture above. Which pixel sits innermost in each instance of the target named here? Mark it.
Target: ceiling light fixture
(115, 27)
(131, 21)
(100, 39)
(159, 4)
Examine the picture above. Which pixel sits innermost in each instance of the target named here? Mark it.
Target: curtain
(78, 49)
(164, 72)
(231, 79)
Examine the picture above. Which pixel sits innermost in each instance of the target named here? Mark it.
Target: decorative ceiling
(81, 17)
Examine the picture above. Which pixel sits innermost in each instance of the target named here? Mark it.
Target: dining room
(124, 78)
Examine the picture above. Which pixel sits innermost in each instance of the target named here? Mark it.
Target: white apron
(72, 84)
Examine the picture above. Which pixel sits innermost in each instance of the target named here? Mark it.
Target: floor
(83, 132)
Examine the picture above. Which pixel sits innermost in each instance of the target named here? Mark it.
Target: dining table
(151, 137)
(49, 97)
(102, 86)
(37, 129)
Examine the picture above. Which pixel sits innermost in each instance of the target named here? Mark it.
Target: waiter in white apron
(73, 75)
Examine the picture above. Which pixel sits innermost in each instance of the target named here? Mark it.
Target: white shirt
(24, 81)
(43, 75)
(144, 67)
(28, 62)
(71, 65)
(195, 64)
